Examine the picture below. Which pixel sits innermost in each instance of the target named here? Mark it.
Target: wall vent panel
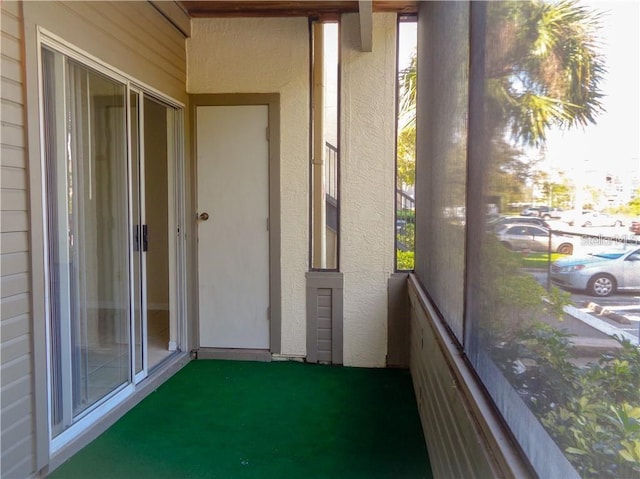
(324, 317)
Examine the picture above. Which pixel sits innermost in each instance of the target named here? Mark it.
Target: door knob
(204, 216)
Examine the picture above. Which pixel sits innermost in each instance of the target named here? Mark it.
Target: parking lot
(596, 319)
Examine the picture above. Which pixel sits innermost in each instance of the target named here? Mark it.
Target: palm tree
(408, 95)
(542, 69)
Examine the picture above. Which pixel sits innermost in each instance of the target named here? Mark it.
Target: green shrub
(405, 260)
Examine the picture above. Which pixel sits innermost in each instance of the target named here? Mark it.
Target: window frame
(313, 21)
(401, 18)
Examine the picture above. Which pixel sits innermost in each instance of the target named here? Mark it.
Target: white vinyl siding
(132, 37)
(16, 393)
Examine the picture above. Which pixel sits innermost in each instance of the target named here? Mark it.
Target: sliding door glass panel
(99, 235)
(156, 181)
(58, 180)
(85, 123)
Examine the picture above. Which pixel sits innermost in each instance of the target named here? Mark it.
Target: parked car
(572, 217)
(520, 237)
(600, 274)
(635, 227)
(544, 212)
(507, 220)
(593, 218)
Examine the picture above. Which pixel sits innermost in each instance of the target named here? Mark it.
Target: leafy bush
(598, 426)
(406, 215)
(592, 412)
(406, 240)
(511, 300)
(405, 260)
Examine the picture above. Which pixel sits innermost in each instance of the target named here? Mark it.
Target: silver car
(600, 274)
(521, 237)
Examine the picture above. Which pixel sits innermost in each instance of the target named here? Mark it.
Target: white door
(233, 243)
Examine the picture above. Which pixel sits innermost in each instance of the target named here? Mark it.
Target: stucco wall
(268, 55)
(367, 188)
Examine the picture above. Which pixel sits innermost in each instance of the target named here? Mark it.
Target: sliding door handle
(145, 239)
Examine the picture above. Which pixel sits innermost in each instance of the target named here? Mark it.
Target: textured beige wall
(268, 55)
(367, 186)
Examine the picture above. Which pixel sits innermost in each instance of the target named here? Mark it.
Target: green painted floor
(232, 419)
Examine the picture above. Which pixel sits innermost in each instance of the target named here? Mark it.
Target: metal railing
(405, 204)
(331, 171)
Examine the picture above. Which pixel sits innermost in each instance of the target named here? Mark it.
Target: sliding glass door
(97, 234)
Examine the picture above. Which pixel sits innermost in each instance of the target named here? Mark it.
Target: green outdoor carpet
(232, 419)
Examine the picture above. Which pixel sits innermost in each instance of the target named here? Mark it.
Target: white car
(600, 274)
(598, 219)
(521, 237)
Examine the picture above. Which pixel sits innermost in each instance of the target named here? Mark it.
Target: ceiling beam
(280, 8)
(365, 12)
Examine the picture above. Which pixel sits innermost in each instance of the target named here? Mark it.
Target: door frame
(272, 101)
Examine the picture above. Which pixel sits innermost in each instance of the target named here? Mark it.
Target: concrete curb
(599, 324)
(593, 346)
(602, 311)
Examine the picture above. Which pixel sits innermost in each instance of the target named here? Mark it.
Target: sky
(613, 144)
(407, 38)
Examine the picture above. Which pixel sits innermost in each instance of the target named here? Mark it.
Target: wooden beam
(304, 8)
(365, 12)
(247, 8)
